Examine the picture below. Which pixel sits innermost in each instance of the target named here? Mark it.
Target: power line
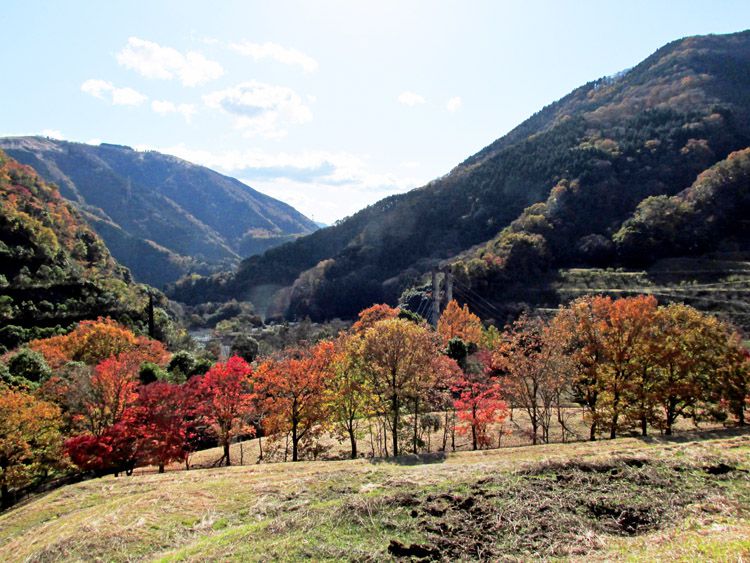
(476, 305)
(478, 298)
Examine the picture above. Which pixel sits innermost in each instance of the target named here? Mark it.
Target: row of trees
(112, 400)
(629, 363)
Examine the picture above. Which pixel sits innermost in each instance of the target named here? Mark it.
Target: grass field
(687, 498)
(515, 431)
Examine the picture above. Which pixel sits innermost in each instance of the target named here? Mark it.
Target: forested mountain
(161, 216)
(54, 270)
(550, 194)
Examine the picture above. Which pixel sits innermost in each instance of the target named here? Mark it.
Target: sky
(328, 105)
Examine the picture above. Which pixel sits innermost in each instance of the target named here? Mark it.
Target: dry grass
(513, 433)
(355, 510)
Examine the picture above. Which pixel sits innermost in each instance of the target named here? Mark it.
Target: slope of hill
(549, 194)
(161, 216)
(677, 499)
(54, 270)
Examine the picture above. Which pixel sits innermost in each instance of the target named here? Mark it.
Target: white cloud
(52, 133)
(454, 104)
(261, 109)
(164, 107)
(151, 60)
(118, 96)
(410, 99)
(276, 52)
(326, 185)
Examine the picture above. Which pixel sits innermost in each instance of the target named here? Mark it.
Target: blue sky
(328, 105)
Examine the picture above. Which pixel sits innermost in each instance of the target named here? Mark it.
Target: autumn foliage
(94, 341)
(30, 440)
(458, 322)
(629, 364)
(292, 388)
(223, 398)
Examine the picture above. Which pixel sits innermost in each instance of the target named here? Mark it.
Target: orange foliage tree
(624, 326)
(529, 372)
(291, 387)
(459, 322)
(93, 341)
(368, 317)
(100, 401)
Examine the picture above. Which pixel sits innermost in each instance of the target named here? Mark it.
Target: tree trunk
(394, 430)
(226, 454)
(353, 440)
(385, 435)
(474, 428)
(644, 425)
(295, 440)
(161, 468)
(672, 405)
(445, 431)
(416, 421)
(615, 415)
(5, 500)
(592, 432)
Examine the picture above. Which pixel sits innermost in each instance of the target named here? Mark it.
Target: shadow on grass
(697, 435)
(411, 459)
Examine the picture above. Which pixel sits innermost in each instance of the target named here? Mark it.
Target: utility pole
(448, 286)
(435, 298)
(151, 324)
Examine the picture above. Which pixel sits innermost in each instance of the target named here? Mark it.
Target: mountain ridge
(199, 220)
(595, 153)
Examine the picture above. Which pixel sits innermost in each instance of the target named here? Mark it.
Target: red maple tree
(223, 398)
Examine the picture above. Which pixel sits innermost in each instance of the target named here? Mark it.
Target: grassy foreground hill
(652, 499)
(161, 216)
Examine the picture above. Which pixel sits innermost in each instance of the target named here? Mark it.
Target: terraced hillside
(719, 283)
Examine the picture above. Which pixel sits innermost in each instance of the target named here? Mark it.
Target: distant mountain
(550, 194)
(54, 270)
(161, 216)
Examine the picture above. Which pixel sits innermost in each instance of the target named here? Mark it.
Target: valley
(543, 353)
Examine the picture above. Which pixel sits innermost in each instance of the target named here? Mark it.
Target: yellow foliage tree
(30, 440)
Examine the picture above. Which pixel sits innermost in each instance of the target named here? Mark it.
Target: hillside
(161, 216)
(550, 194)
(645, 499)
(691, 247)
(54, 270)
